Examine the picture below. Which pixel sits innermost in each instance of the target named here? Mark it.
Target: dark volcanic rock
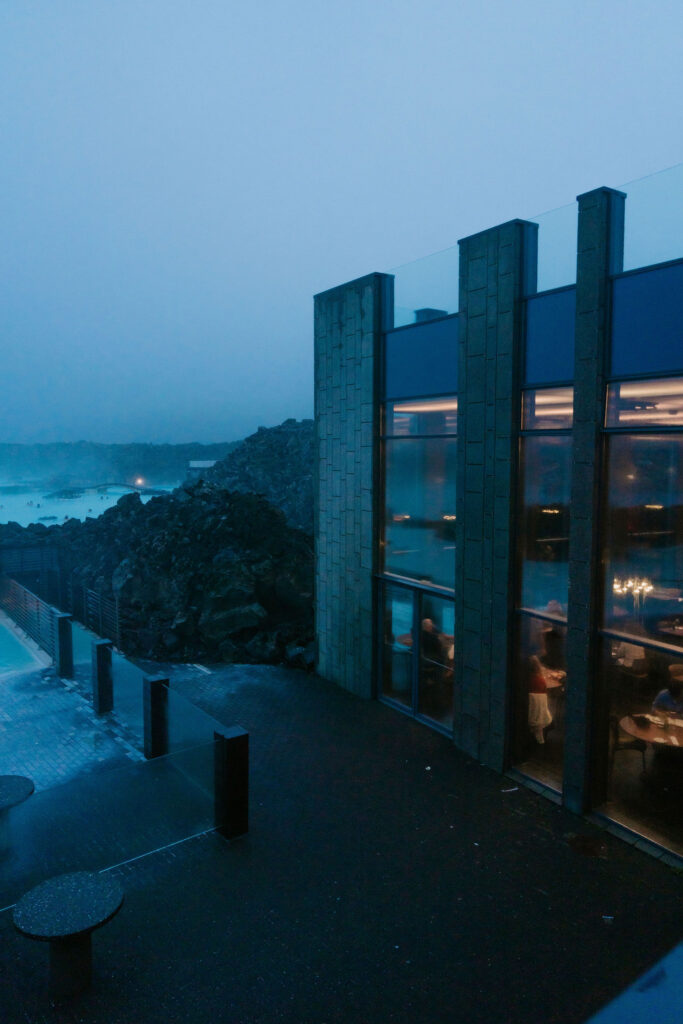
(202, 572)
(276, 462)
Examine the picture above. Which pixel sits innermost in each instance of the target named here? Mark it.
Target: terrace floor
(385, 878)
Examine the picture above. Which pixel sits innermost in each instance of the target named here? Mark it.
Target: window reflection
(397, 639)
(643, 740)
(656, 403)
(419, 519)
(544, 526)
(548, 409)
(437, 656)
(430, 661)
(643, 583)
(541, 679)
(422, 416)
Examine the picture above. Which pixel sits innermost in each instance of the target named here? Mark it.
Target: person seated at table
(432, 646)
(671, 697)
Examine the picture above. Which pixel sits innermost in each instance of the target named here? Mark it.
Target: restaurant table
(646, 729)
(14, 789)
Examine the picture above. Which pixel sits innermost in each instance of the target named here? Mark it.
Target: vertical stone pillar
(349, 321)
(65, 646)
(599, 253)
(155, 715)
(231, 782)
(496, 268)
(102, 677)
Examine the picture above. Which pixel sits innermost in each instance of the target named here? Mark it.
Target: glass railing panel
(653, 227)
(128, 695)
(426, 288)
(187, 725)
(557, 231)
(105, 818)
(83, 640)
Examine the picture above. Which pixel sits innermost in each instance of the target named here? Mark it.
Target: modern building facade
(499, 505)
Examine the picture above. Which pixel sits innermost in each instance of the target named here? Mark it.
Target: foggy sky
(179, 177)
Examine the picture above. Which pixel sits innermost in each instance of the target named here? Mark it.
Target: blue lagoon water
(32, 506)
(13, 655)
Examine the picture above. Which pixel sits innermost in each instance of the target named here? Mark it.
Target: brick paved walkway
(49, 732)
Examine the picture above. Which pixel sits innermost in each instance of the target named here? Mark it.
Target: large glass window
(548, 409)
(437, 657)
(646, 403)
(417, 417)
(397, 645)
(544, 522)
(418, 539)
(418, 675)
(539, 705)
(643, 553)
(543, 579)
(643, 737)
(640, 712)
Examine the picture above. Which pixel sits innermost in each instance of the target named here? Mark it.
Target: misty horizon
(180, 180)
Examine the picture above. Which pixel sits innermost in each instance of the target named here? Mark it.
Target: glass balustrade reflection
(105, 818)
(426, 288)
(557, 233)
(653, 226)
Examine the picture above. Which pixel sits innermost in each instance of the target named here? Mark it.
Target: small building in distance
(197, 467)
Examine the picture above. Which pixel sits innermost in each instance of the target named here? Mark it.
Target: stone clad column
(349, 321)
(102, 677)
(496, 268)
(599, 254)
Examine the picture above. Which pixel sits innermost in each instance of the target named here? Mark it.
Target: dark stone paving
(385, 878)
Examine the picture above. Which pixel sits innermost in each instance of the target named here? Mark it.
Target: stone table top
(14, 789)
(68, 905)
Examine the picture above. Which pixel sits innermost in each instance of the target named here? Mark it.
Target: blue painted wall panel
(550, 321)
(422, 359)
(647, 322)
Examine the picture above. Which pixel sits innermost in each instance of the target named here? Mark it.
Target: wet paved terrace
(385, 878)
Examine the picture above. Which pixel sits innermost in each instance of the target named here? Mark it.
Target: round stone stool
(65, 911)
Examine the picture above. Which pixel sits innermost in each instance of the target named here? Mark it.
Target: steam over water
(32, 506)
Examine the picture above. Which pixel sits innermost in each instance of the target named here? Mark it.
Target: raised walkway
(386, 879)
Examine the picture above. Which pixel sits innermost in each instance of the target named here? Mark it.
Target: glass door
(418, 653)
